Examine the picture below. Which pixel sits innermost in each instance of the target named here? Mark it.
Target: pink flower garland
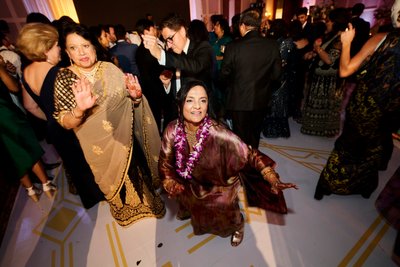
(185, 167)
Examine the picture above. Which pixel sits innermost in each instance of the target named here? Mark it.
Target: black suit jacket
(197, 63)
(126, 55)
(249, 67)
(150, 71)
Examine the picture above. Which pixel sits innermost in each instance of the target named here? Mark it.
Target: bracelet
(267, 170)
(76, 117)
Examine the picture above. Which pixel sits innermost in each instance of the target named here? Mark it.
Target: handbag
(258, 193)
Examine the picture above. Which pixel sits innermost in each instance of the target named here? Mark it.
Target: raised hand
(348, 35)
(133, 86)
(272, 177)
(84, 96)
(150, 42)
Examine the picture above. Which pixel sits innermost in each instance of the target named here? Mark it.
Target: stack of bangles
(267, 173)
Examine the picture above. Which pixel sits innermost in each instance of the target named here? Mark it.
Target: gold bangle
(266, 170)
(76, 117)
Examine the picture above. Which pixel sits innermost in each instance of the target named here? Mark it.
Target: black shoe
(366, 195)
(318, 195)
(50, 166)
(183, 215)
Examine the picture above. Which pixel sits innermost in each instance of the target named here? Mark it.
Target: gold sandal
(237, 237)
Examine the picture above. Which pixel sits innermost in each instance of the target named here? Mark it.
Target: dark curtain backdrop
(127, 12)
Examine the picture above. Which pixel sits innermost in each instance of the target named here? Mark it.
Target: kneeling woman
(200, 162)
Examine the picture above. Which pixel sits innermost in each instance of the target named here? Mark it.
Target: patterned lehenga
(372, 114)
(126, 171)
(276, 122)
(321, 114)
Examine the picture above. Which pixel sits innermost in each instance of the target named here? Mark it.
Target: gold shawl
(106, 134)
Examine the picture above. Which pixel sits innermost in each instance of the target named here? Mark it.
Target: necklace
(90, 75)
(185, 166)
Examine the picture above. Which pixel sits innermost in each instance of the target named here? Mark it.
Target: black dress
(66, 144)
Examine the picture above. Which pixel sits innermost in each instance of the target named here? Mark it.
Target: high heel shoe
(49, 188)
(34, 193)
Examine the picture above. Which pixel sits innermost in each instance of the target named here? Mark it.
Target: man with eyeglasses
(187, 59)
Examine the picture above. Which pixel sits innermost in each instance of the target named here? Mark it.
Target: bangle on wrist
(266, 171)
(77, 117)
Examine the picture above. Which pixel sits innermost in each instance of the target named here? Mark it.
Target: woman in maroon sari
(201, 163)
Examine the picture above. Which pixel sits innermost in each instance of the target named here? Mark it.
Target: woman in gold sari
(107, 112)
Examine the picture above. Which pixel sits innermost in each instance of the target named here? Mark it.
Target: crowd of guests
(180, 108)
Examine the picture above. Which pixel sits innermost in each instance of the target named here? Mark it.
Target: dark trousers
(247, 125)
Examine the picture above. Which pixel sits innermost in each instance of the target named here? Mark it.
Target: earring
(70, 61)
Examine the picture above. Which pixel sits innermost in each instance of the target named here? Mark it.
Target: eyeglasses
(170, 39)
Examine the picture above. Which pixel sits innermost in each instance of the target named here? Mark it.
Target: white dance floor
(336, 231)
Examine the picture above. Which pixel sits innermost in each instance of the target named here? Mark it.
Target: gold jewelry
(77, 117)
(266, 171)
(90, 75)
(191, 138)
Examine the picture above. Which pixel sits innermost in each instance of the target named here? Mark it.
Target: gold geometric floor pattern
(336, 231)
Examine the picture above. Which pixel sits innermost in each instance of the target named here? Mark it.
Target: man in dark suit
(187, 59)
(125, 52)
(150, 71)
(250, 65)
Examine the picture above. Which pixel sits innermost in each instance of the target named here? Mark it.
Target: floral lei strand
(180, 144)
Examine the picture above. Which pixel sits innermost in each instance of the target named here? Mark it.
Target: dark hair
(235, 26)
(37, 17)
(215, 18)
(197, 31)
(84, 32)
(340, 19)
(302, 11)
(357, 9)
(278, 29)
(295, 30)
(184, 91)
(173, 22)
(4, 28)
(251, 17)
(143, 24)
(120, 32)
(224, 24)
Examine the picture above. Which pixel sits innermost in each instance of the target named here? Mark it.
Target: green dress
(18, 142)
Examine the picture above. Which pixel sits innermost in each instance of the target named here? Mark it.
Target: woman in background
(365, 145)
(18, 141)
(39, 43)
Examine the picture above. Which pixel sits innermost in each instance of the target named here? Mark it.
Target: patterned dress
(372, 114)
(276, 122)
(107, 136)
(322, 104)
